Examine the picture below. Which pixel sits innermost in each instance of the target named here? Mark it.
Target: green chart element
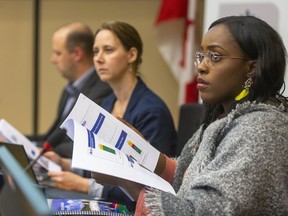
(106, 148)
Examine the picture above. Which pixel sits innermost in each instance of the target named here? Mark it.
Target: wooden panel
(16, 42)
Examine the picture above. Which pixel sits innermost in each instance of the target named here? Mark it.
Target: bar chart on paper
(114, 132)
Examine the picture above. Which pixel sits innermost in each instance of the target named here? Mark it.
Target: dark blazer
(149, 115)
(94, 89)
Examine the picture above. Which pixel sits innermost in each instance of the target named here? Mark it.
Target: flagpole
(199, 13)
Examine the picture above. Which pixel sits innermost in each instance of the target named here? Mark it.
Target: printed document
(90, 152)
(12, 135)
(113, 131)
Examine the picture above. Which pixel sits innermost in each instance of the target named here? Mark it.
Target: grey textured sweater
(237, 166)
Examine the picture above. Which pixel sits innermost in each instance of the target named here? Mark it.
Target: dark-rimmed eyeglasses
(210, 58)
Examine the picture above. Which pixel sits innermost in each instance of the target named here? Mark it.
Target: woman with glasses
(236, 163)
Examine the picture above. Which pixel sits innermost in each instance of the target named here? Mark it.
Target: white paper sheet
(12, 135)
(113, 131)
(94, 154)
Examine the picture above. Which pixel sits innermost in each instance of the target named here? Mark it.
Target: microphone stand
(29, 166)
(52, 141)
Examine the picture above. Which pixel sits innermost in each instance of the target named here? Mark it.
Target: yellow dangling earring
(248, 83)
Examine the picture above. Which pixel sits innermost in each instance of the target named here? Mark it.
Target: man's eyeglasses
(211, 58)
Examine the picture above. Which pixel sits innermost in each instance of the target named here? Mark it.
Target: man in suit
(72, 55)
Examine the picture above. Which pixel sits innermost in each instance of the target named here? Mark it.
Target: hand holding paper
(105, 145)
(112, 131)
(94, 154)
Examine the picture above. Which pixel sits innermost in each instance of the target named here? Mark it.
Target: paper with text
(113, 131)
(12, 135)
(94, 154)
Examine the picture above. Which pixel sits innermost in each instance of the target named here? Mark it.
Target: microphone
(51, 142)
(54, 140)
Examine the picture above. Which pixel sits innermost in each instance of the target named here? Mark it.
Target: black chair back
(189, 121)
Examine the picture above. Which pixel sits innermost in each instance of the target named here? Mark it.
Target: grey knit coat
(237, 166)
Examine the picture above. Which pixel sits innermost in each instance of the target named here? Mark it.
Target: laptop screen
(18, 195)
(18, 152)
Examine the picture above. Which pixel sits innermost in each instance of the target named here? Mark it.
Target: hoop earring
(248, 83)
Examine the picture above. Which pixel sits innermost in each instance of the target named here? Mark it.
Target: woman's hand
(53, 156)
(2, 139)
(65, 163)
(69, 181)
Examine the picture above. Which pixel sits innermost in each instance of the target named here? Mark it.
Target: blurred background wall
(19, 21)
(16, 53)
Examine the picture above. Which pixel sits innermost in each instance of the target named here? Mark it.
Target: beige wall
(16, 62)
(17, 50)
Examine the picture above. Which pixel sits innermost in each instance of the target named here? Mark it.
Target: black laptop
(39, 176)
(18, 194)
(18, 152)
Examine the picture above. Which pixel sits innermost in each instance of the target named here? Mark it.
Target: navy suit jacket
(148, 113)
(94, 89)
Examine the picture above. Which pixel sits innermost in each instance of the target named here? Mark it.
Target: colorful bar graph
(134, 147)
(106, 148)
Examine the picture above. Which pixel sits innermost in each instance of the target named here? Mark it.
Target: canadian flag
(175, 27)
